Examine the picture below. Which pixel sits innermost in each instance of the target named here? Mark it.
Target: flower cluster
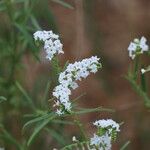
(107, 123)
(101, 142)
(137, 47)
(107, 130)
(52, 44)
(67, 78)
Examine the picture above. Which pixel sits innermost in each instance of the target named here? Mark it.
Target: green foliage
(63, 3)
(2, 99)
(38, 128)
(9, 138)
(125, 145)
(140, 88)
(16, 42)
(78, 145)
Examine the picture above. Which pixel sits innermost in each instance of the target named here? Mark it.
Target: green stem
(56, 69)
(80, 126)
(136, 67)
(139, 91)
(143, 83)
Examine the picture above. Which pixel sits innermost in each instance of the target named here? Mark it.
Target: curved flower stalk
(106, 133)
(137, 47)
(67, 81)
(52, 44)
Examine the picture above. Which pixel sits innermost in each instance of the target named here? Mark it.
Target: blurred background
(86, 27)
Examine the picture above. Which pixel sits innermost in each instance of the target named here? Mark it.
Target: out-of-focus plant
(18, 22)
(136, 74)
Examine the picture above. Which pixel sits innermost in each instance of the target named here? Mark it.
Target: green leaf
(46, 91)
(10, 139)
(21, 89)
(2, 6)
(35, 120)
(76, 145)
(35, 23)
(65, 4)
(63, 122)
(38, 128)
(56, 135)
(20, 1)
(2, 99)
(46, 15)
(89, 110)
(125, 145)
(139, 91)
(27, 36)
(65, 66)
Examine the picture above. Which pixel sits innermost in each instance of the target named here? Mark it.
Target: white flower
(74, 139)
(137, 47)
(95, 140)
(107, 123)
(73, 85)
(67, 79)
(147, 69)
(132, 49)
(101, 142)
(103, 138)
(143, 71)
(143, 44)
(59, 112)
(52, 44)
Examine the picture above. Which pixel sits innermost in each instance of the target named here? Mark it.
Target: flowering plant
(136, 48)
(67, 80)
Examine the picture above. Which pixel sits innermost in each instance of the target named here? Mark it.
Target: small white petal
(143, 71)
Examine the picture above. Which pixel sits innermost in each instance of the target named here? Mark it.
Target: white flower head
(137, 47)
(102, 139)
(52, 44)
(107, 123)
(67, 80)
(101, 142)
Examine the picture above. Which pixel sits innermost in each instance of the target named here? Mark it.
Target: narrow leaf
(65, 4)
(125, 145)
(35, 120)
(9, 138)
(56, 135)
(2, 99)
(75, 145)
(89, 110)
(25, 95)
(38, 128)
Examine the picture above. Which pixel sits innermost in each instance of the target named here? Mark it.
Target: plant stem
(136, 66)
(80, 126)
